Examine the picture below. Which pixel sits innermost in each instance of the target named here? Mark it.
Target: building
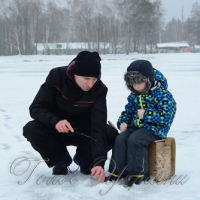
(70, 48)
(173, 47)
(195, 49)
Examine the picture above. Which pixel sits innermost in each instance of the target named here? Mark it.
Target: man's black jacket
(61, 98)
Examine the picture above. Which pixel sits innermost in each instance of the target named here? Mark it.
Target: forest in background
(131, 23)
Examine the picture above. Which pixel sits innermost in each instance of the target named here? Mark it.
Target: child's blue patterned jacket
(159, 106)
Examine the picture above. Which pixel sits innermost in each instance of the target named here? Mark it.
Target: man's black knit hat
(87, 64)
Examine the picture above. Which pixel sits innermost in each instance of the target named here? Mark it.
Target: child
(148, 116)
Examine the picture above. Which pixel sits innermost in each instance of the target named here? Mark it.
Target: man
(72, 100)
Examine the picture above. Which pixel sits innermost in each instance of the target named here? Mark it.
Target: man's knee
(31, 129)
(111, 134)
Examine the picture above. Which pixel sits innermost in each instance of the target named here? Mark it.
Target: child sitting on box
(148, 116)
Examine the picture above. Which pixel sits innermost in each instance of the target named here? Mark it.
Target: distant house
(173, 47)
(151, 49)
(70, 48)
(195, 49)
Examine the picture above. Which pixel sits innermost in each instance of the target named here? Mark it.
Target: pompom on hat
(138, 72)
(87, 64)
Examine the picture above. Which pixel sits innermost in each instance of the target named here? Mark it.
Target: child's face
(140, 87)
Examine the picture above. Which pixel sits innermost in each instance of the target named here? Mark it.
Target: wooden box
(161, 159)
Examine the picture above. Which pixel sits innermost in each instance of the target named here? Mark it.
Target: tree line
(132, 24)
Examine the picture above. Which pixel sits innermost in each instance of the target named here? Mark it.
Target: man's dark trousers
(52, 145)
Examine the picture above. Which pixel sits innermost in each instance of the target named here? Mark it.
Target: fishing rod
(83, 135)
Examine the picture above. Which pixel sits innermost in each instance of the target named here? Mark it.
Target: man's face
(85, 83)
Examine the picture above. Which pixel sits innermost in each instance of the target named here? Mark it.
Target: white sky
(20, 79)
(174, 8)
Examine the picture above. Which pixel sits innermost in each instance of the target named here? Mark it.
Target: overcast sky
(174, 8)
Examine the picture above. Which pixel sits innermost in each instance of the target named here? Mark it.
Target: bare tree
(173, 31)
(38, 8)
(195, 23)
(84, 18)
(69, 21)
(128, 24)
(4, 15)
(157, 24)
(134, 14)
(15, 36)
(112, 24)
(128, 8)
(23, 10)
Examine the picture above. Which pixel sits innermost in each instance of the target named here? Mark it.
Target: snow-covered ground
(20, 79)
